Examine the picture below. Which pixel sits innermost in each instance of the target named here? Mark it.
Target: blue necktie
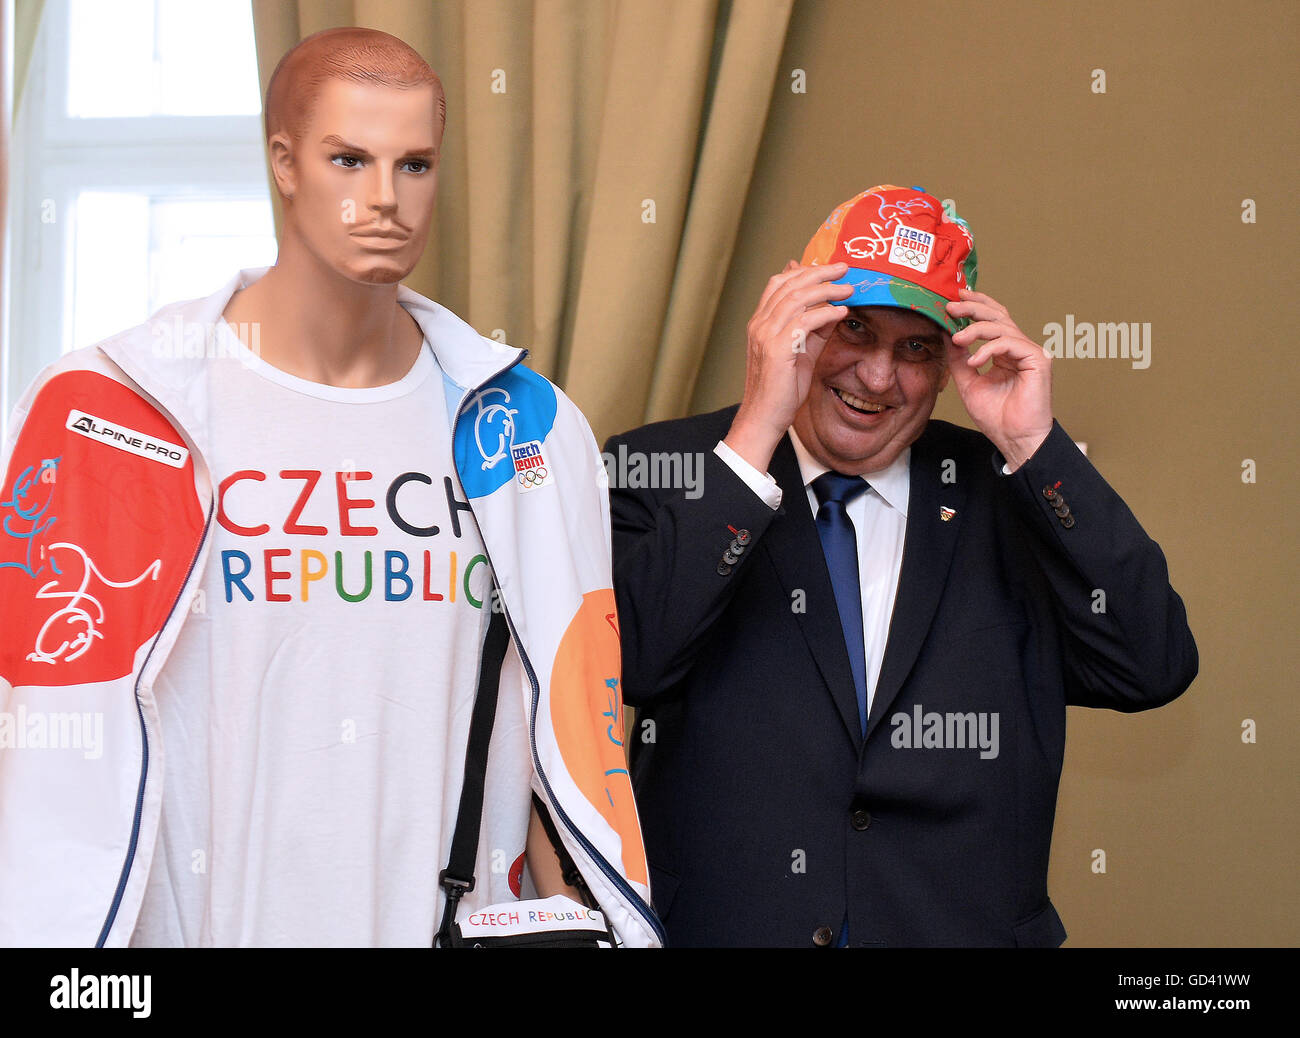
(840, 546)
(834, 490)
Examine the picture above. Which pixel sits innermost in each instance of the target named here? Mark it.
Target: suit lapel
(928, 546)
(795, 549)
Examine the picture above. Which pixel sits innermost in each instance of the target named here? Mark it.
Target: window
(138, 174)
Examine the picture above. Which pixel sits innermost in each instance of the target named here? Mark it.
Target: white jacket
(105, 514)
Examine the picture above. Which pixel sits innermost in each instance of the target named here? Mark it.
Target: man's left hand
(1012, 401)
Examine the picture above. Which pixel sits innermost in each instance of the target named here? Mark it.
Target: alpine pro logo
(912, 248)
(140, 444)
(531, 471)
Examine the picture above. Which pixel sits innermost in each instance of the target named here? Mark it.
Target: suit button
(742, 537)
(1049, 492)
(860, 819)
(822, 936)
(724, 570)
(1067, 521)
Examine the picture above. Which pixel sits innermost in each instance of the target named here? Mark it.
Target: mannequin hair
(351, 53)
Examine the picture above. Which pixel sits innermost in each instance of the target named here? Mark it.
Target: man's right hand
(793, 321)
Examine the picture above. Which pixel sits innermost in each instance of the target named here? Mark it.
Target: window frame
(55, 156)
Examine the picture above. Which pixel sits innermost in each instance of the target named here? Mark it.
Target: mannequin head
(354, 120)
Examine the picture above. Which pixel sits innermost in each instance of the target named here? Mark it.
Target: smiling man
(268, 565)
(852, 653)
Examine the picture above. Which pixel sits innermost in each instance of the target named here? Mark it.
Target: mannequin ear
(280, 150)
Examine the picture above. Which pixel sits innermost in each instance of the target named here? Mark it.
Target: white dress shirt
(879, 522)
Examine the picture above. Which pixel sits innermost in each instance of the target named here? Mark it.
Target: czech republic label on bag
(547, 920)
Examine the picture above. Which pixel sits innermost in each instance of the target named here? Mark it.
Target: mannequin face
(362, 178)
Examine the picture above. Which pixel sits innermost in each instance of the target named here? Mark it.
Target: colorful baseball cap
(903, 249)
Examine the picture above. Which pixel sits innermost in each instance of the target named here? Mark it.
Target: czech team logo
(531, 470)
(912, 248)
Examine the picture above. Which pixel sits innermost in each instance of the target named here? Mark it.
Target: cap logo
(868, 246)
(913, 248)
(905, 206)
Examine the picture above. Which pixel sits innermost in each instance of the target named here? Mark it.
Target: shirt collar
(891, 483)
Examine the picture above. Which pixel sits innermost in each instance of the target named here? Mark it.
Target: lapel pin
(946, 513)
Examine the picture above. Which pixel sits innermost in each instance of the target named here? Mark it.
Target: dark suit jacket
(767, 819)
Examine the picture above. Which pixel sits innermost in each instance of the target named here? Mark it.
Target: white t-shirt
(315, 708)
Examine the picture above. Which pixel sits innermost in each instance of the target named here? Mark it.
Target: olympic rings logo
(532, 477)
(910, 256)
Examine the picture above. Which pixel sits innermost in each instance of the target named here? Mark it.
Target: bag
(553, 922)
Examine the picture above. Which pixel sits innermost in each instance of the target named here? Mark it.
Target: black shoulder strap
(457, 879)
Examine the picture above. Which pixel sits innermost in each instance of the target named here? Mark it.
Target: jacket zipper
(144, 743)
(595, 856)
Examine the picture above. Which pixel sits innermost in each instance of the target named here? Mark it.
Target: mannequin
(270, 568)
(356, 167)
